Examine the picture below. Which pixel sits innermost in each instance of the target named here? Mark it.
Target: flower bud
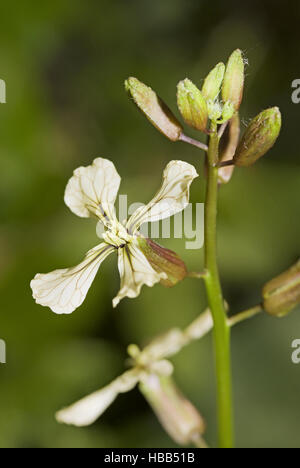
(134, 351)
(213, 81)
(228, 145)
(259, 137)
(192, 105)
(282, 294)
(233, 83)
(156, 111)
(180, 419)
(163, 261)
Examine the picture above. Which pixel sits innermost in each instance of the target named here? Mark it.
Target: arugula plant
(214, 111)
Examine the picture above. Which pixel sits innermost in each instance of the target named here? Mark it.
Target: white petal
(90, 408)
(135, 271)
(93, 190)
(163, 346)
(65, 290)
(172, 197)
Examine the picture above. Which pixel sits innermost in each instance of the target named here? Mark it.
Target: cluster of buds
(218, 100)
(217, 103)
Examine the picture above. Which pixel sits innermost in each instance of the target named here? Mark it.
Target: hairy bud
(213, 81)
(282, 294)
(192, 105)
(259, 137)
(156, 111)
(163, 261)
(233, 83)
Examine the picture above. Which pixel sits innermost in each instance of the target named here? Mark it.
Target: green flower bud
(233, 83)
(282, 294)
(228, 145)
(192, 105)
(163, 261)
(156, 111)
(180, 419)
(134, 351)
(259, 137)
(213, 81)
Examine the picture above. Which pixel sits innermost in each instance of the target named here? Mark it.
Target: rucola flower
(92, 192)
(153, 375)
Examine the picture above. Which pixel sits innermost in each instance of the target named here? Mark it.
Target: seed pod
(233, 83)
(192, 105)
(259, 137)
(180, 419)
(213, 81)
(228, 145)
(156, 111)
(163, 261)
(282, 294)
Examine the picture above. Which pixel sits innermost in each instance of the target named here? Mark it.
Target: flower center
(117, 235)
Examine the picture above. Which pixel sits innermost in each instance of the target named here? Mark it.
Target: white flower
(91, 407)
(88, 409)
(92, 192)
(152, 372)
(178, 416)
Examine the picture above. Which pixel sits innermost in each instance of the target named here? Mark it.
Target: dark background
(64, 64)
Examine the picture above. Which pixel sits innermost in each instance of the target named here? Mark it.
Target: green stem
(226, 163)
(247, 314)
(216, 301)
(193, 142)
(196, 274)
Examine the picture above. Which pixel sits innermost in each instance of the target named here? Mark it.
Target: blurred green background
(64, 64)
